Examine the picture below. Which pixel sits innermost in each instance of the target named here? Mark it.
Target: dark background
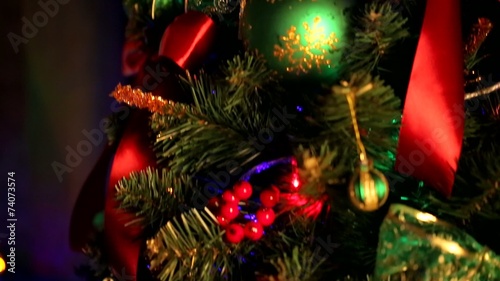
(56, 86)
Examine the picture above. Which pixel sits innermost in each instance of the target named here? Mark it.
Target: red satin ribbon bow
(134, 56)
(431, 134)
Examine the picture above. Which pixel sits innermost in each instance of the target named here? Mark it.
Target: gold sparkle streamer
(139, 99)
(483, 92)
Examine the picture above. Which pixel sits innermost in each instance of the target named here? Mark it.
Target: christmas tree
(289, 140)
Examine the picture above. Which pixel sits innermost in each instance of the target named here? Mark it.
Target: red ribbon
(90, 201)
(431, 134)
(187, 42)
(123, 243)
(134, 56)
(187, 38)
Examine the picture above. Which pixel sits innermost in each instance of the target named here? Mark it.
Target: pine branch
(96, 268)
(153, 197)
(316, 167)
(472, 126)
(482, 123)
(191, 247)
(393, 277)
(226, 115)
(357, 234)
(139, 17)
(481, 199)
(301, 264)
(319, 174)
(378, 116)
(246, 75)
(481, 205)
(380, 28)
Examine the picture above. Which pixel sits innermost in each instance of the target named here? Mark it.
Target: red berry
(253, 230)
(228, 197)
(222, 221)
(229, 211)
(265, 216)
(270, 197)
(235, 233)
(243, 190)
(275, 189)
(214, 203)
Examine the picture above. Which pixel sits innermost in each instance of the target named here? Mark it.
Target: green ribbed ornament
(368, 189)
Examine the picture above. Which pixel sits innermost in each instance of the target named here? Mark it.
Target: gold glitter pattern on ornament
(303, 58)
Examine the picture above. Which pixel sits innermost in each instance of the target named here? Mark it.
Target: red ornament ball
(223, 222)
(265, 216)
(234, 233)
(229, 211)
(269, 197)
(254, 230)
(243, 190)
(229, 197)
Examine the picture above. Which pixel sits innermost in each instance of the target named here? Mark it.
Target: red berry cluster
(229, 211)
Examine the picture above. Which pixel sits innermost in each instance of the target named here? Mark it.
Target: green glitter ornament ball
(368, 189)
(298, 38)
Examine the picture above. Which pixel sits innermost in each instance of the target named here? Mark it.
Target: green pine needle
(152, 196)
(245, 76)
(301, 264)
(223, 120)
(317, 170)
(191, 248)
(475, 200)
(378, 116)
(378, 30)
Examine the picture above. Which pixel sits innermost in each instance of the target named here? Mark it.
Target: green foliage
(471, 128)
(191, 247)
(96, 267)
(153, 196)
(225, 116)
(300, 264)
(357, 234)
(376, 31)
(478, 189)
(483, 118)
(246, 76)
(317, 170)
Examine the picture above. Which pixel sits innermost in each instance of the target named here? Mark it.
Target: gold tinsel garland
(146, 100)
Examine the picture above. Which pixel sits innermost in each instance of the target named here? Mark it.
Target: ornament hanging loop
(351, 93)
